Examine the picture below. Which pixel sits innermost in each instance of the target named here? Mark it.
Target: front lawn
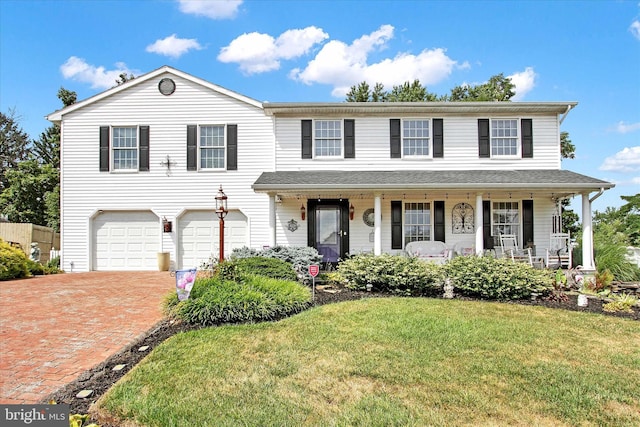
(392, 361)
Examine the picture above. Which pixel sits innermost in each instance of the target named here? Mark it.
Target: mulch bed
(102, 377)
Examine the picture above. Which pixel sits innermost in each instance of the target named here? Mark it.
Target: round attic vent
(167, 87)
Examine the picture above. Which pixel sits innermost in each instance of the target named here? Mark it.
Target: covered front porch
(342, 213)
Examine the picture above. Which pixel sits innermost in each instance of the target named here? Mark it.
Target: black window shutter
(143, 165)
(232, 147)
(486, 224)
(527, 222)
(526, 127)
(192, 147)
(438, 138)
(438, 220)
(396, 224)
(395, 138)
(311, 222)
(484, 141)
(349, 139)
(307, 139)
(104, 148)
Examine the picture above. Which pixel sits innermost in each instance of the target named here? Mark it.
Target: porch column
(588, 263)
(479, 226)
(377, 224)
(272, 220)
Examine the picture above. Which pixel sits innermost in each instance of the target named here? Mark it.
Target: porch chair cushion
(428, 250)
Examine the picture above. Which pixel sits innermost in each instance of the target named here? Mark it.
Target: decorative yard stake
(184, 283)
(314, 269)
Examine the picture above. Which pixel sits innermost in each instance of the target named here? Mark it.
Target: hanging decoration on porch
(292, 225)
(463, 219)
(368, 217)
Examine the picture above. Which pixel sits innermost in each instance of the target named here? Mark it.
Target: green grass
(396, 361)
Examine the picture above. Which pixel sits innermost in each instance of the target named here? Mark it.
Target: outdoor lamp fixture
(303, 212)
(352, 211)
(221, 212)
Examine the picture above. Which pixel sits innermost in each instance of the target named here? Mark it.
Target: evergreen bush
(496, 278)
(13, 262)
(392, 273)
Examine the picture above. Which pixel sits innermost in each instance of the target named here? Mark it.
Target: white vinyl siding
(212, 147)
(327, 138)
(416, 138)
(460, 145)
(124, 146)
(504, 138)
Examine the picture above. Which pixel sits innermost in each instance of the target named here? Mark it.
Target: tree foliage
(623, 223)
(498, 88)
(567, 149)
(14, 145)
(123, 78)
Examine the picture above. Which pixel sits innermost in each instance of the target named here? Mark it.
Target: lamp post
(221, 211)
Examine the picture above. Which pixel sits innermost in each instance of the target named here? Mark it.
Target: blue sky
(279, 51)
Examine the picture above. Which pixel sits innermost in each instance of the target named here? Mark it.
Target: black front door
(329, 228)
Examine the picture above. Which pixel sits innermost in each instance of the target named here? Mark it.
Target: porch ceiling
(552, 182)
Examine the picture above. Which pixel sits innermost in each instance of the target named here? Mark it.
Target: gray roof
(562, 180)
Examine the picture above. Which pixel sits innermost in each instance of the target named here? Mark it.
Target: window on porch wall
(505, 218)
(417, 222)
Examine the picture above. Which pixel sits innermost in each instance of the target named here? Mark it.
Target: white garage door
(125, 241)
(198, 236)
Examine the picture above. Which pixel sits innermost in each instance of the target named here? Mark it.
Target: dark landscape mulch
(102, 377)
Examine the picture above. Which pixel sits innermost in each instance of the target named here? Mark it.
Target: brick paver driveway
(53, 328)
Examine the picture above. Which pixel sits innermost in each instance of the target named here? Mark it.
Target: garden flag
(184, 282)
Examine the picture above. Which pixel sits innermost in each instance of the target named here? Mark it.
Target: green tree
(363, 93)
(411, 92)
(23, 200)
(567, 149)
(123, 78)
(498, 88)
(14, 145)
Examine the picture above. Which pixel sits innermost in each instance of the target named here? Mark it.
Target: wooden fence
(22, 235)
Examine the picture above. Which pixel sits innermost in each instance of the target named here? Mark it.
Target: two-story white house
(142, 162)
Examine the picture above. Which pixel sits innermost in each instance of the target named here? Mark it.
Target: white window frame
(505, 224)
(408, 235)
(317, 155)
(222, 148)
(113, 149)
(499, 138)
(406, 139)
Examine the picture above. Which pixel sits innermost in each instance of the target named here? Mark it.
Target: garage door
(126, 241)
(198, 236)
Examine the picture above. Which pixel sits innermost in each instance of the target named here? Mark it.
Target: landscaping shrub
(215, 300)
(392, 273)
(613, 257)
(491, 278)
(13, 262)
(269, 267)
(300, 257)
(35, 268)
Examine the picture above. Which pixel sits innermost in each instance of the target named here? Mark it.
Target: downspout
(597, 195)
(564, 115)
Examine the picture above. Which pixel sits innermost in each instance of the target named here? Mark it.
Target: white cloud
(98, 77)
(635, 29)
(214, 9)
(259, 53)
(625, 161)
(623, 127)
(343, 65)
(173, 47)
(524, 82)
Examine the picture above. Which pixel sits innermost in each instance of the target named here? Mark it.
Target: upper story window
(416, 138)
(504, 137)
(212, 147)
(124, 145)
(328, 138)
